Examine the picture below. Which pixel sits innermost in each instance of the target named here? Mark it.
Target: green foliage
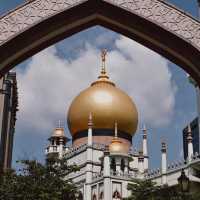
(141, 190)
(148, 190)
(36, 181)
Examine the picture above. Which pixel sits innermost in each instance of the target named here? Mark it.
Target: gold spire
(103, 58)
(103, 76)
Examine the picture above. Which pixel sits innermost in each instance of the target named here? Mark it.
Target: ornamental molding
(30, 14)
(156, 11)
(165, 15)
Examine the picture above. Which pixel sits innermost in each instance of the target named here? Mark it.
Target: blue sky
(165, 114)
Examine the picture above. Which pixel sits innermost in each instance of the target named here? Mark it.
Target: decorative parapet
(121, 175)
(97, 176)
(152, 173)
(96, 146)
(124, 175)
(174, 166)
(76, 150)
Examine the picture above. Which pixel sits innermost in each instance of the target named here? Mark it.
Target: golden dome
(117, 146)
(107, 103)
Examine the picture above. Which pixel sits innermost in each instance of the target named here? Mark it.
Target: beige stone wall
(100, 140)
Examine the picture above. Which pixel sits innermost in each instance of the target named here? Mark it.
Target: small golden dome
(117, 146)
(107, 104)
(58, 132)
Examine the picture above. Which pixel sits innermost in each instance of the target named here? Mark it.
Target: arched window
(116, 195)
(101, 196)
(94, 197)
(122, 165)
(80, 196)
(113, 165)
(101, 166)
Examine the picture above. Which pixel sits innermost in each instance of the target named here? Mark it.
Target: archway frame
(156, 24)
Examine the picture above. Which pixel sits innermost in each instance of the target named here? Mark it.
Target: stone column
(106, 175)
(144, 146)
(61, 146)
(141, 163)
(164, 163)
(118, 164)
(126, 166)
(89, 161)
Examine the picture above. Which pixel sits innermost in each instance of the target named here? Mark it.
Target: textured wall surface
(155, 11)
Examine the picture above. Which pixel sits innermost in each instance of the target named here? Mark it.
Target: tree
(36, 181)
(148, 190)
(141, 190)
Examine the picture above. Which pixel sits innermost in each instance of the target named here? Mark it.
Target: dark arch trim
(155, 24)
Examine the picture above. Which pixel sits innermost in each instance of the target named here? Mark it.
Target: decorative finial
(144, 131)
(116, 130)
(90, 122)
(189, 129)
(59, 123)
(103, 58)
(144, 127)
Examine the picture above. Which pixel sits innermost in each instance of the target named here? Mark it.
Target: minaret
(164, 163)
(89, 160)
(58, 142)
(106, 174)
(144, 147)
(196, 86)
(141, 162)
(118, 163)
(90, 124)
(61, 142)
(190, 145)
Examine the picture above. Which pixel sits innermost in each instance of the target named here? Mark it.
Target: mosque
(102, 120)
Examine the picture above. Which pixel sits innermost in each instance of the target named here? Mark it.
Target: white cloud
(49, 83)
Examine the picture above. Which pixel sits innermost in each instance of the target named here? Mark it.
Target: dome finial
(103, 58)
(90, 121)
(59, 124)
